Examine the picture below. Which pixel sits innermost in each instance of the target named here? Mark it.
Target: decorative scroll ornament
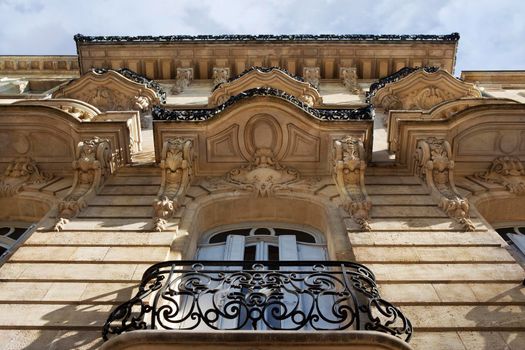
(176, 165)
(20, 172)
(349, 176)
(349, 77)
(263, 175)
(312, 75)
(220, 75)
(507, 171)
(435, 168)
(183, 80)
(92, 167)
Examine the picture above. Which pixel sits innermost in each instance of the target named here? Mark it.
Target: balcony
(242, 296)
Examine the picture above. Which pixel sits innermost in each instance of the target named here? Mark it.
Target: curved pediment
(259, 77)
(110, 90)
(260, 129)
(421, 89)
(79, 110)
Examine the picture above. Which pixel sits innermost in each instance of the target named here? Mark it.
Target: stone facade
(412, 188)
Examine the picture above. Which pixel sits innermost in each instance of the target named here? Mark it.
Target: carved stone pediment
(507, 171)
(422, 90)
(20, 172)
(258, 77)
(434, 166)
(79, 110)
(108, 90)
(231, 138)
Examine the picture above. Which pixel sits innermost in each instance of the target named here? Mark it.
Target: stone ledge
(245, 340)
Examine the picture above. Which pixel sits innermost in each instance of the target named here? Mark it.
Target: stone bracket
(21, 172)
(176, 165)
(183, 80)
(91, 168)
(435, 168)
(349, 176)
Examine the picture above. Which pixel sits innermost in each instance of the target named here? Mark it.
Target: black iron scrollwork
(400, 74)
(131, 75)
(79, 38)
(268, 295)
(365, 113)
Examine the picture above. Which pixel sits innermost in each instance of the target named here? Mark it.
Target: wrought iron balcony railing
(258, 295)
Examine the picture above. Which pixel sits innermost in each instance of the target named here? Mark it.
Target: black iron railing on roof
(258, 295)
(79, 38)
(195, 115)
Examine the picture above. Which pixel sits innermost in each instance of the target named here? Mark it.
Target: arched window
(262, 243)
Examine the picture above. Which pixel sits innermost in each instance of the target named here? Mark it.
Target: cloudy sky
(492, 32)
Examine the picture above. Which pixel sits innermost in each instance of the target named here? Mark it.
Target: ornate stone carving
(176, 165)
(92, 167)
(434, 166)
(421, 90)
(109, 90)
(263, 175)
(20, 172)
(349, 77)
(507, 171)
(312, 75)
(183, 80)
(220, 75)
(349, 176)
(272, 78)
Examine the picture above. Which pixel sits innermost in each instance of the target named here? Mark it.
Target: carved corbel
(176, 165)
(91, 168)
(22, 171)
(349, 77)
(507, 171)
(312, 75)
(434, 166)
(183, 80)
(220, 75)
(349, 176)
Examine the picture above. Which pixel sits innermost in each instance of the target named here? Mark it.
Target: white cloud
(492, 33)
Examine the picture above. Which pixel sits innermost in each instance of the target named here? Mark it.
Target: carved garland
(92, 167)
(176, 165)
(507, 171)
(22, 171)
(264, 175)
(436, 169)
(349, 176)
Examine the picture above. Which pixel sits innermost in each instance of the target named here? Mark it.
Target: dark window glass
(299, 235)
(221, 237)
(18, 232)
(4, 230)
(262, 231)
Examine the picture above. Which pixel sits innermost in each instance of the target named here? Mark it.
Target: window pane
(299, 235)
(221, 237)
(18, 232)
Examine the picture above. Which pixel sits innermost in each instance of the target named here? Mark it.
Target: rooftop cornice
(197, 115)
(79, 38)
